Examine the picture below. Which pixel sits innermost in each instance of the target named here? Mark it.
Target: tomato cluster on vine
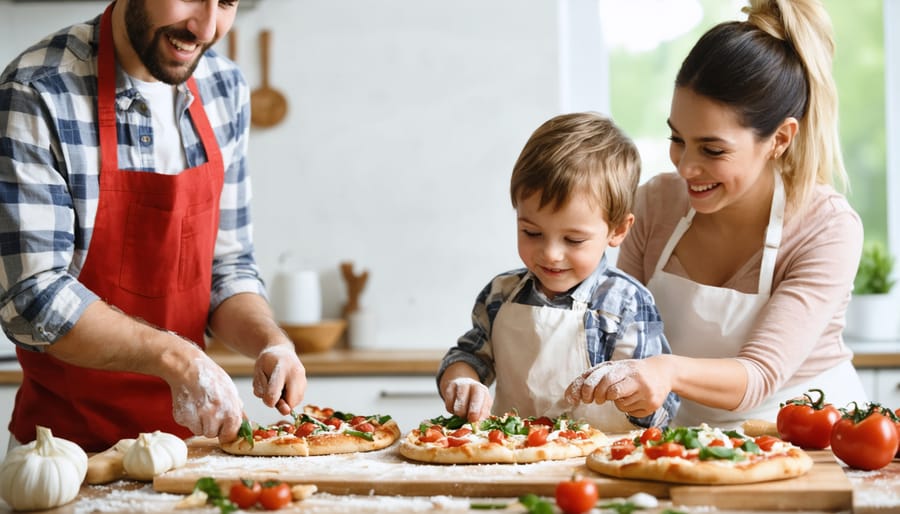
(866, 438)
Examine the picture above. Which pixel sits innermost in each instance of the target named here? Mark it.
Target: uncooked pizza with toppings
(315, 431)
(499, 439)
(699, 455)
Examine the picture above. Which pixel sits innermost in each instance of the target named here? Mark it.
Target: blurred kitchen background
(405, 117)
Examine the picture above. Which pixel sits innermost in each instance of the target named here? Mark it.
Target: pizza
(499, 439)
(316, 431)
(699, 455)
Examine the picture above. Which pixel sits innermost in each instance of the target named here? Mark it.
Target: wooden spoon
(267, 105)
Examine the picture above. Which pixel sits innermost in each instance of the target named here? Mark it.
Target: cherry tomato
(537, 435)
(576, 495)
(807, 422)
(305, 429)
(621, 449)
(866, 439)
(460, 432)
(244, 493)
(651, 434)
(669, 449)
(496, 436)
(365, 427)
(275, 495)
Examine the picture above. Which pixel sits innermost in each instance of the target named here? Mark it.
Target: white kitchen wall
(404, 120)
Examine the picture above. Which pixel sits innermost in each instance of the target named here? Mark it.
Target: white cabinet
(882, 385)
(407, 399)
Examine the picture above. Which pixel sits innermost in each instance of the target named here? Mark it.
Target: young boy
(547, 333)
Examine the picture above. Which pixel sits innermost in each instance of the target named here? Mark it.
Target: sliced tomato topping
(537, 435)
(621, 449)
(365, 427)
(543, 420)
(264, 433)
(496, 436)
(669, 449)
(431, 435)
(568, 434)
(305, 429)
(461, 432)
(716, 442)
(456, 441)
(357, 420)
(334, 422)
(651, 434)
(765, 442)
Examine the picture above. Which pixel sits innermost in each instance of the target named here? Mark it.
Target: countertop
(424, 362)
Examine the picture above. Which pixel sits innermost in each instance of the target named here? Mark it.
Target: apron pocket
(150, 252)
(198, 243)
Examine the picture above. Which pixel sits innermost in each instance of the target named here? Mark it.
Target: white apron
(712, 322)
(538, 352)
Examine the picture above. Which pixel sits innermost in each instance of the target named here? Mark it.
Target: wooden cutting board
(386, 472)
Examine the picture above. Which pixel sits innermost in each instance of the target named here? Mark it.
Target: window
(647, 40)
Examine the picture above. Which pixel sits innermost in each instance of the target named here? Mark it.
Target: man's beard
(147, 46)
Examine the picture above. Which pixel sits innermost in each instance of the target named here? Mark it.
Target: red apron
(150, 256)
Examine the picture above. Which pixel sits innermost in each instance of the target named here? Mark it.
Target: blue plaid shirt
(620, 312)
(49, 169)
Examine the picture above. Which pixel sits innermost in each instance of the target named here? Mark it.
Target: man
(125, 233)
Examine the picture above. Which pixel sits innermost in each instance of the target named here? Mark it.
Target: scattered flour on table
(873, 489)
(144, 499)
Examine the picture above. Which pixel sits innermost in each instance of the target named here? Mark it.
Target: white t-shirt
(168, 151)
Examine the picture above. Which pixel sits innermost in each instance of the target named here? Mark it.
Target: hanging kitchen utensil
(232, 44)
(267, 106)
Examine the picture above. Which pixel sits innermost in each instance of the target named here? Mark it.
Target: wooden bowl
(316, 337)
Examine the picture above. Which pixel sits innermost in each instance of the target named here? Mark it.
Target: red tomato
(867, 439)
(897, 413)
(716, 442)
(264, 433)
(621, 449)
(357, 420)
(335, 422)
(537, 435)
(275, 495)
(651, 434)
(669, 449)
(244, 493)
(807, 422)
(576, 495)
(496, 436)
(459, 432)
(568, 434)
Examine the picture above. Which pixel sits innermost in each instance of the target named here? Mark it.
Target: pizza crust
(316, 444)
(792, 463)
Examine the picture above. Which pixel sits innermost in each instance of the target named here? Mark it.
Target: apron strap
(773, 237)
(683, 224)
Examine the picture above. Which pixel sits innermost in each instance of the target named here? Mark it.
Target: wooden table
(876, 492)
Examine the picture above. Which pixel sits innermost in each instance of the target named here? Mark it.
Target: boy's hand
(635, 390)
(467, 398)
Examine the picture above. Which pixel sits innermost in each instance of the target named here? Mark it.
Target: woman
(748, 249)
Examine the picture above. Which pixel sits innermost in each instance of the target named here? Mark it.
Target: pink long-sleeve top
(798, 333)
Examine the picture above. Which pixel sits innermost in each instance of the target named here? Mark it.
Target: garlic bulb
(42, 474)
(154, 453)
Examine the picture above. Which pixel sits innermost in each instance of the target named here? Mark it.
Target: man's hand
(206, 401)
(468, 398)
(279, 378)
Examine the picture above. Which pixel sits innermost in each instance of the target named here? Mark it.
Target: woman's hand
(468, 398)
(279, 378)
(637, 387)
(206, 401)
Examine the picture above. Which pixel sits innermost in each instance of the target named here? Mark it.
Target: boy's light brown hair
(578, 152)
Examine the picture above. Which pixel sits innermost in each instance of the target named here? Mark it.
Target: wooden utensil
(232, 44)
(355, 285)
(267, 105)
